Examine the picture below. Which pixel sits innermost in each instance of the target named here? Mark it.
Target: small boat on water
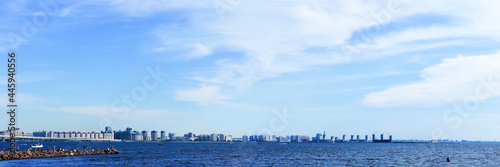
(37, 146)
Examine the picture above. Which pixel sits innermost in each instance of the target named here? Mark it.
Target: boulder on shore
(33, 154)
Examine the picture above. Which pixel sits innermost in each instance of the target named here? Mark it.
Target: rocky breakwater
(32, 154)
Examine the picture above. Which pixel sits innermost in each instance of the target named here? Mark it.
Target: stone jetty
(33, 154)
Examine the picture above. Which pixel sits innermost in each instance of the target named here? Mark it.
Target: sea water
(271, 154)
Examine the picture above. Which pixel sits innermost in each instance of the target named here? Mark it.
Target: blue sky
(413, 69)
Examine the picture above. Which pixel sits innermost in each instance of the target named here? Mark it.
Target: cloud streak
(203, 95)
(272, 38)
(453, 80)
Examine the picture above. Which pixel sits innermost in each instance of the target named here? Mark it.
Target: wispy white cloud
(240, 74)
(276, 38)
(202, 95)
(22, 98)
(272, 45)
(148, 7)
(67, 11)
(109, 112)
(35, 76)
(200, 50)
(453, 80)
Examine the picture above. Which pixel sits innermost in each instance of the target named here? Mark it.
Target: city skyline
(418, 69)
(133, 135)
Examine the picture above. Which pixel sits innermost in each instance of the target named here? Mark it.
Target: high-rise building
(381, 136)
(107, 133)
(294, 138)
(324, 134)
(373, 137)
(171, 136)
(352, 137)
(162, 136)
(228, 138)
(221, 137)
(245, 138)
(203, 137)
(119, 135)
(357, 137)
(145, 135)
(137, 136)
(366, 138)
(128, 134)
(318, 136)
(213, 137)
(343, 137)
(154, 135)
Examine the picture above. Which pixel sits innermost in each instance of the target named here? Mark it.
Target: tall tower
(145, 135)
(128, 134)
(324, 135)
(154, 135)
(163, 135)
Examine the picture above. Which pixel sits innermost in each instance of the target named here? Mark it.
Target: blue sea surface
(272, 154)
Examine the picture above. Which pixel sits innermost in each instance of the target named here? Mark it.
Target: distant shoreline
(409, 142)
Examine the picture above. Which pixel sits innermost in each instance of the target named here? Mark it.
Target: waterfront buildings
(245, 138)
(282, 139)
(108, 134)
(382, 140)
(171, 136)
(74, 135)
(162, 135)
(212, 137)
(130, 135)
(229, 138)
(17, 132)
(137, 136)
(154, 135)
(321, 138)
(145, 135)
